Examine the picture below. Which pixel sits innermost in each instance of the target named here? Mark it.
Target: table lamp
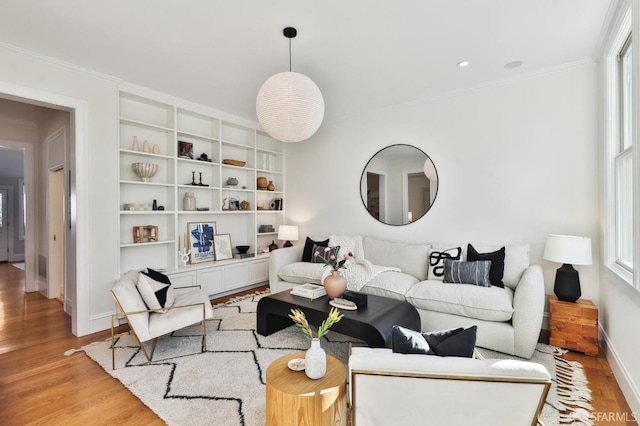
(569, 250)
(288, 233)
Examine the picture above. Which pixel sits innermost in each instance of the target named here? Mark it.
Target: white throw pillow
(436, 258)
(156, 295)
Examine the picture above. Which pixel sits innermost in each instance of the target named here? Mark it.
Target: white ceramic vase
(315, 360)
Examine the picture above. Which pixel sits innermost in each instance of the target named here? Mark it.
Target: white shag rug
(226, 384)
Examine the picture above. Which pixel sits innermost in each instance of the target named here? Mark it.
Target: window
(623, 161)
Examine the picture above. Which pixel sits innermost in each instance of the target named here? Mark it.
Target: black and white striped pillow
(459, 272)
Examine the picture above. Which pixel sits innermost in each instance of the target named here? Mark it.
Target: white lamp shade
(288, 232)
(290, 107)
(573, 250)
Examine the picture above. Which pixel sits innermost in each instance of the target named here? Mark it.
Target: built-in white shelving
(164, 125)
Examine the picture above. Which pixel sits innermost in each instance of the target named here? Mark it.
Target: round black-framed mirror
(399, 184)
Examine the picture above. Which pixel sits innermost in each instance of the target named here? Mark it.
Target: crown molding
(60, 64)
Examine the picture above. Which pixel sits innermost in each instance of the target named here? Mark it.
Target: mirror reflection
(399, 184)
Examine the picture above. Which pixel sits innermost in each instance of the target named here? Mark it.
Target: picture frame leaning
(200, 237)
(222, 246)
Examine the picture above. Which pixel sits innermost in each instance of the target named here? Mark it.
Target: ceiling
(362, 54)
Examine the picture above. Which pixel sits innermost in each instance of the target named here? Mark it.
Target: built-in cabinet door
(259, 271)
(211, 279)
(236, 276)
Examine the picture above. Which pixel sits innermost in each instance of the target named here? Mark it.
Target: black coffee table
(372, 323)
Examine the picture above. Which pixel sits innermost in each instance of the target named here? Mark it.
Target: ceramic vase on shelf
(134, 145)
(271, 186)
(335, 285)
(189, 202)
(315, 360)
(145, 146)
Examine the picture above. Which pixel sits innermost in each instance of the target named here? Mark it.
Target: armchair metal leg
(204, 328)
(113, 350)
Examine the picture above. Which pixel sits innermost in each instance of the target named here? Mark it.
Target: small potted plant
(335, 284)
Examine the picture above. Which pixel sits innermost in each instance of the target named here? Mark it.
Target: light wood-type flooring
(40, 385)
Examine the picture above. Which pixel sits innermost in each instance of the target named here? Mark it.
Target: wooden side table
(294, 399)
(574, 325)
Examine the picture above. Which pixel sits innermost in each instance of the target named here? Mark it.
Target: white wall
(516, 162)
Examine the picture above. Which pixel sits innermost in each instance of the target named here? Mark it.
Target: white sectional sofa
(509, 319)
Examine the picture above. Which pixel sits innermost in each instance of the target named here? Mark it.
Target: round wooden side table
(294, 399)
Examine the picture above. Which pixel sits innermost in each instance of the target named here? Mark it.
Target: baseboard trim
(628, 387)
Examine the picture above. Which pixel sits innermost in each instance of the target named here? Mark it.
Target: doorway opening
(38, 130)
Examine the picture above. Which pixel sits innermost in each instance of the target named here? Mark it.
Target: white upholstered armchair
(389, 388)
(188, 308)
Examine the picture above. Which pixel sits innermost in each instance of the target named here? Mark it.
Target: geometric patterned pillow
(436, 261)
(158, 276)
(156, 295)
(459, 272)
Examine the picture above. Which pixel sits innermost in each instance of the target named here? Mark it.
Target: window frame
(614, 150)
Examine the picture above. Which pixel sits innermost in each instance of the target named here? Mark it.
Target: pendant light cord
(289, 55)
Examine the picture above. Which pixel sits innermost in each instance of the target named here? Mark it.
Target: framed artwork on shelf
(222, 246)
(200, 239)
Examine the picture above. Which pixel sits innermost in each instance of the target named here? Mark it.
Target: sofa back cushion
(516, 261)
(410, 258)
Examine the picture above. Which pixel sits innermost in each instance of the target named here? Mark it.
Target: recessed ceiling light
(463, 64)
(512, 64)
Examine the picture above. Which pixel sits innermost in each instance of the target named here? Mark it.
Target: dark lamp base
(288, 244)
(567, 285)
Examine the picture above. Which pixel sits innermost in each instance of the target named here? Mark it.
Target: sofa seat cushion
(393, 285)
(178, 318)
(301, 272)
(485, 303)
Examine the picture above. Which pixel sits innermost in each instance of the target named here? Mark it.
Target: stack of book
(310, 291)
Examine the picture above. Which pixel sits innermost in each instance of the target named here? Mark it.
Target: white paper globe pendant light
(289, 105)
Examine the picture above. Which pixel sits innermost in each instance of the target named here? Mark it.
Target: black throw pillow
(458, 342)
(158, 276)
(406, 341)
(307, 253)
(497, 263)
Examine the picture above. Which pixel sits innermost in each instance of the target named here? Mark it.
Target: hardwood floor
(40, 385)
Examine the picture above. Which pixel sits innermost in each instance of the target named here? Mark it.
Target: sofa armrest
(277, 260)
(528, 311)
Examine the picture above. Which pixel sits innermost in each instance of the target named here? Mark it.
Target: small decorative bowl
(145, 171)
(242, 249)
